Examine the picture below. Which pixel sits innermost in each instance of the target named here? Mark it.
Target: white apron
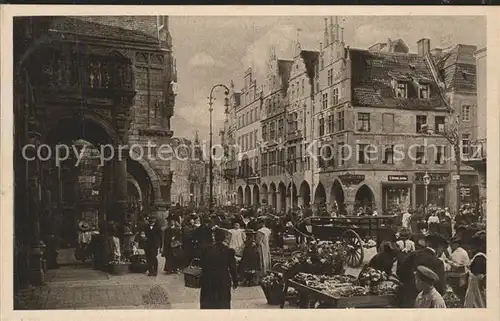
(475, 297)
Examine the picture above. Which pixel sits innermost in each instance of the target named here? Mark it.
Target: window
(364, 122)
(466, 144)
(335, 96)
(439, 159)
(321, 163)
(280, 128)
(330, 77)
(388, 123)
(324, 101)
(423, 91)
(321, 127)
(264, 132)
(239, 122)
(246, 142)
(389, 155)
(251, 116)
(239, 143)
(401, 90)
(420, 155)
(340, 120)
(255, 138)
(421, 120)
(466, 112)
(268, 106)
(250, 141)
(331, 123)
(363, 155)
(439, 124)
(272, 131)
(342, 153)
(293, 91)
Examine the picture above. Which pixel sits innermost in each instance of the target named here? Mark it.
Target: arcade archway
(304, 194)
(337, 197)
(256, 195)
(248, 196)
(240, 196)
(320, 194)
(282, 197)
(364, 197)
(264, 194)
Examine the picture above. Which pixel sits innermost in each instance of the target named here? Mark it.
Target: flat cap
(427, 274)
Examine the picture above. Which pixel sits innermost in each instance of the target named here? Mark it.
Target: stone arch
(282, 197)
(304, 194)
(248, 196)
(364, 196)
(256, 195)
(154, 179)
(337, 197)
(264, 194)
(320, 194)
(272, 190)
(240, 196)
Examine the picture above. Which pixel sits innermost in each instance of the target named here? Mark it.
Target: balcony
(294, 135)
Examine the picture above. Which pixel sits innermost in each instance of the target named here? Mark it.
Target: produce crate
(120, 269)
(192, 275)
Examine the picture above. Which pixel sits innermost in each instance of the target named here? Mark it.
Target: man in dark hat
(428, 257)
(428, 297)
(203, 235)
(153, 235)
(218, 266)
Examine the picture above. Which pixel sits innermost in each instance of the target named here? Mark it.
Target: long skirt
(215, 296)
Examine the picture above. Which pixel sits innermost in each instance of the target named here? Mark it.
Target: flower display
(272, 279)
(119, 261)
(370, 277)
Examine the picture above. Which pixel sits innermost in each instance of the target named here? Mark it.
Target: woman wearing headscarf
(475, 297)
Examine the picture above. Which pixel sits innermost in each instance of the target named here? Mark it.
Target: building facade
(104, 80)
(362, 127)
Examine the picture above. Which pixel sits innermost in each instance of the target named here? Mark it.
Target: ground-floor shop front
(391, 192)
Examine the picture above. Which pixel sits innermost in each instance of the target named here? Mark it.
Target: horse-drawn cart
(354, 232)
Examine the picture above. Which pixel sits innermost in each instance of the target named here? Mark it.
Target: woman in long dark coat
(218, 265)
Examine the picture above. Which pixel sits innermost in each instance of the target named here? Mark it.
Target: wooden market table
(307, 294)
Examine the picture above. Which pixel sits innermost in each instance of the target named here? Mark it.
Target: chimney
(424, 46)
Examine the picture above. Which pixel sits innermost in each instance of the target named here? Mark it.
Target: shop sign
(465, 191)
(351, 179)
(397, 178)
(435, 177)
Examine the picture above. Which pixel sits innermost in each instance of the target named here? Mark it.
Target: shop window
(321, 127)
(364, 122)
(388, 123)
(389, 155)
(439, 122)
(420, 155)
(421, 121)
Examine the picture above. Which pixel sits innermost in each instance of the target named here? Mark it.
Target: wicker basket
(274, 294)
(192, 275)
(120, 269)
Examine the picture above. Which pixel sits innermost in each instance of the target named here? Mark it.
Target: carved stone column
(120, 204)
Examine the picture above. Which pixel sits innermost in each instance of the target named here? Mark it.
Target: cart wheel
(354, 247)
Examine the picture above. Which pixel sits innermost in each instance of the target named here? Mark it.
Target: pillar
(35, 273)
(120, 204)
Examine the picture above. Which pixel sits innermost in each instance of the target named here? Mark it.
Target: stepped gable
(374, 74)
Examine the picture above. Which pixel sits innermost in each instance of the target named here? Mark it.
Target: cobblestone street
(74, 286)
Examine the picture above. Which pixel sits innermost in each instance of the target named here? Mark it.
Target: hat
(84, 226)
(427, 275)
(436, 239)
(404, 232)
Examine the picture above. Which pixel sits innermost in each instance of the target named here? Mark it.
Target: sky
(213, 50)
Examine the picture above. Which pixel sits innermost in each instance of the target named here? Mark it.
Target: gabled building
(273, 122)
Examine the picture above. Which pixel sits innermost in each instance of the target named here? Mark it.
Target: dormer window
(423, 91)
(401, 90)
